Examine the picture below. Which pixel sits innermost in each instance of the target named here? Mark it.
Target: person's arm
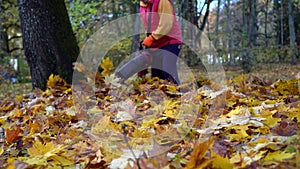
(142, 3)
(165, 10)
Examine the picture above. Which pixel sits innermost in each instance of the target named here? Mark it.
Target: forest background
(244, 33)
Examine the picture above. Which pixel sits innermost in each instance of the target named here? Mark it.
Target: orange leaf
(12, 135)
(198, 154)
(34, 127)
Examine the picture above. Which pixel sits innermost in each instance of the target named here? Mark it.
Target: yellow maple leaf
(39, 149)
(235, 111)
(294, 112)
(250, 101)
(286, 87)
(102, 126)
(44, 154)
(61, 160)
(258, 141)
(240, 135)
(220, 162)
(149, 122)
(170, 108)
(271, 122)
(171, 88)
(241, 82)
(141, 133)
(276, 157)
(54, 80)
(1, 150)
(10, 160)
(47, 150)
(11, 167)
(268, 118)
(38, 160)
(238, 158)
(107, 66)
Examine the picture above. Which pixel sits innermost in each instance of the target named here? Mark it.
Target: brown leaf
(256, 80)
(286, 128)
(220, 148)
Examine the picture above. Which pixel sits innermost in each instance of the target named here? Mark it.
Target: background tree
(9, 29)
(48, 40)
(4, 48)
(292, 31)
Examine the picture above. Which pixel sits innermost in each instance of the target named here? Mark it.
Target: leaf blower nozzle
(140, 62)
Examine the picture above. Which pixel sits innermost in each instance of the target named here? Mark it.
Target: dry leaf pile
(150, 123)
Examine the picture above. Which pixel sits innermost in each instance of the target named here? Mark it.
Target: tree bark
(252, 35)
(206, 15)
(217, 32)
(229, 32)
(245, 18)
(4, 47)
(293, 46)
(277, 26)
(281, 24)
(135, 28)
(266, 24)
(48, 40)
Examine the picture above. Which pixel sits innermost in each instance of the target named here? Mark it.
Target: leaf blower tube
(141, 61)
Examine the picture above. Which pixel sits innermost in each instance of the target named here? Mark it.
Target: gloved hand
(148, 41)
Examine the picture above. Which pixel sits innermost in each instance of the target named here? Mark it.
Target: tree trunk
(229, 32)
(205, 18)
(293, 46)
(232, 57)
(4, 48)
(252, 23)
(217, 32)
(277, 27)
(136, 28)
(245, 19)
(266, 24)
(281, 23)
(48, 40)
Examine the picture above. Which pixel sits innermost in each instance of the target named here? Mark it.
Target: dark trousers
(164, 63)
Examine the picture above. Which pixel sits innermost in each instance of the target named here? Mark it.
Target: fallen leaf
(13, 134)
(112, 81)
(107, 66)
(1, 150)
(276, 157)
(220, 162)
(198, 155)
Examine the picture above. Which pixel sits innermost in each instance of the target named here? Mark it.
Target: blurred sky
(213, 4)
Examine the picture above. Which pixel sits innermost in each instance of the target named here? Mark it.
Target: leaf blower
(140, 62)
